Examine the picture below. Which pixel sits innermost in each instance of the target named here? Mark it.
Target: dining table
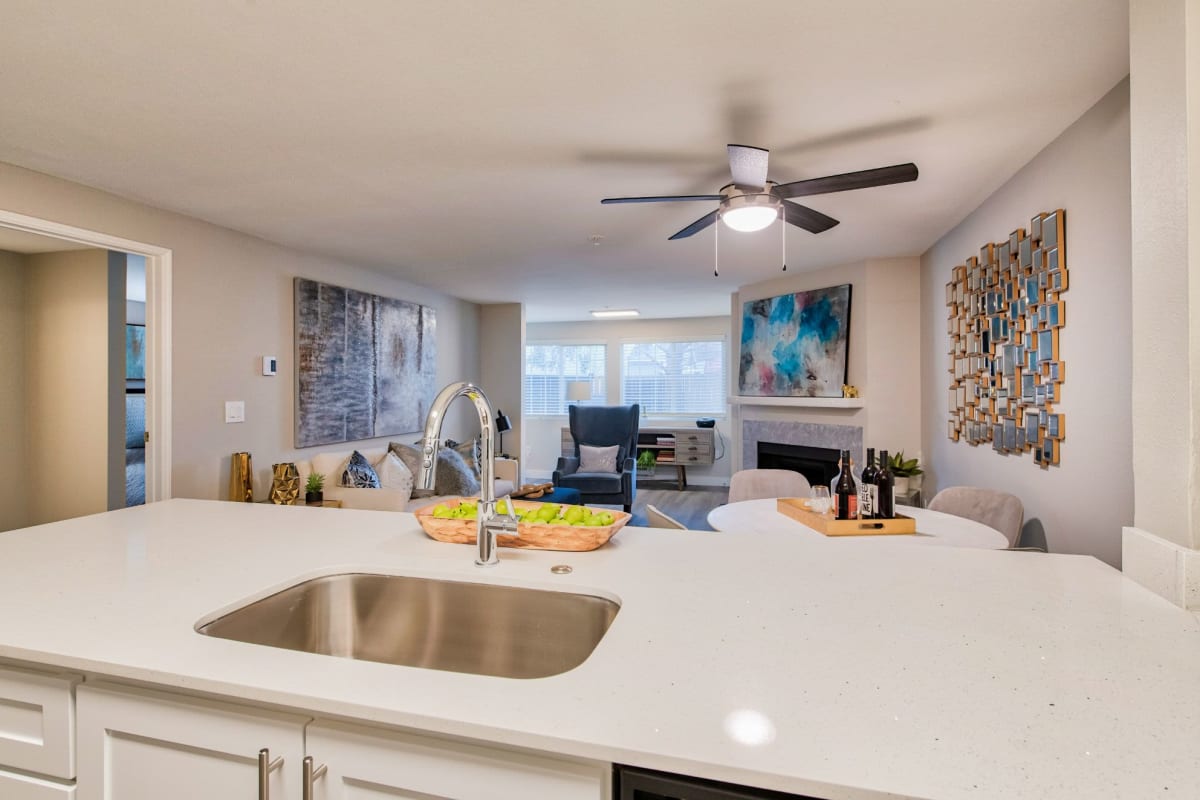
(933, 527)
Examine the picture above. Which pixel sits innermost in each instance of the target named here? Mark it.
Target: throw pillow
(409, 455)
(454, 477)
(471, 453)
(394, 475)
(359, 473)
(598, 459)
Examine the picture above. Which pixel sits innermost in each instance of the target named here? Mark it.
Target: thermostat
(269, 365)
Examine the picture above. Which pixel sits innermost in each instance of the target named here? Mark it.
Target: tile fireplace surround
(836, 437)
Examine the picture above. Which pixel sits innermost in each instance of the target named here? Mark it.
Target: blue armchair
(603, 426)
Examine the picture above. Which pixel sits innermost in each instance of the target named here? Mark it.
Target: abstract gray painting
(365, 364)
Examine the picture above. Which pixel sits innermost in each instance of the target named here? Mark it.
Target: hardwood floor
(690, 506)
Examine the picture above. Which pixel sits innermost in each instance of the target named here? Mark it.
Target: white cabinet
(37, 723)
(15, 786)
(368, 764)
(136, 745)
(141, 745)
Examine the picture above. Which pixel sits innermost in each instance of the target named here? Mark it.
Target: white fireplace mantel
(799, 402)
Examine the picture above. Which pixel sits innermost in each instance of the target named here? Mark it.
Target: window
(548, 368)
(684, 378)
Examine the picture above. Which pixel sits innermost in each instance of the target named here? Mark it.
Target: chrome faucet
(489, 522)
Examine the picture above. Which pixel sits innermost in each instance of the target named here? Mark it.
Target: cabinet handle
(265, 767)
(310, 776)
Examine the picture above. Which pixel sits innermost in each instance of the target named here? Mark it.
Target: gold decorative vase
(285, 484)
(241, 479)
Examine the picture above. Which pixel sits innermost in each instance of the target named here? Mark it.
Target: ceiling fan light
(749, 218)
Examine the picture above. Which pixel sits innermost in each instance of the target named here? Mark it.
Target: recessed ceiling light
(618, 312)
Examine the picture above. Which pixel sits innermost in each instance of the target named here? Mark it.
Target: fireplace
(818, 464)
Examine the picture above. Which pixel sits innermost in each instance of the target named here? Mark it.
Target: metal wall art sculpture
(1005, 314)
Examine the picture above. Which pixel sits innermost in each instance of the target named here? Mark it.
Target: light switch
(235, 411)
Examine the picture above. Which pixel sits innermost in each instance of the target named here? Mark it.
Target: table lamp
(579, 390)
(503, 423)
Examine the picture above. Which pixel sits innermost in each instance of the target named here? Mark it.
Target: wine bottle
(885, 483)
(847, 492)
(868, 489)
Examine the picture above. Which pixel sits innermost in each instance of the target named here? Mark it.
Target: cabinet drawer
(37, 723)
(23, 787)
(406, 765)
(688, 437)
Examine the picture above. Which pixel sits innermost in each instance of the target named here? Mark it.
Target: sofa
(332, 464)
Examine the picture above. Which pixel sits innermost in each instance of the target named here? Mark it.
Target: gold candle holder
(241, 479)
(285, 484)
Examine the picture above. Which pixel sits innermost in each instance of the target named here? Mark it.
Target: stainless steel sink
(479, 628)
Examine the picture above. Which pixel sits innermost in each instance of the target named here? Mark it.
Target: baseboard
(1165, 568)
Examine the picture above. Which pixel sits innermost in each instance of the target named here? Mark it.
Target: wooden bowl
(531, 535)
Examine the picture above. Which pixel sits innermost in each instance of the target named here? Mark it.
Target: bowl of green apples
(540, 526)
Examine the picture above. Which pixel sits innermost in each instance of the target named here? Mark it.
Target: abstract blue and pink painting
(795, 345)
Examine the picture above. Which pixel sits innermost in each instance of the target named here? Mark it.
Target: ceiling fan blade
(804, 217)
(748, 165)
(697, 226)
(865, 179)
(665, 199)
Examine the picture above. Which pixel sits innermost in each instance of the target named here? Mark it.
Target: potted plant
(905, 470)
(646, 461)
(314, 488)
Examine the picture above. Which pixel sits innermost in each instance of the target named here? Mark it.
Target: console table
(672, 447)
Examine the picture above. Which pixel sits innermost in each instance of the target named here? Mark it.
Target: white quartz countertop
(835, 668)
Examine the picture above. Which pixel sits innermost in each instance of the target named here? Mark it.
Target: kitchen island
(831, 668)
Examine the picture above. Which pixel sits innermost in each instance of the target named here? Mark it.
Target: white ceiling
(466, 145)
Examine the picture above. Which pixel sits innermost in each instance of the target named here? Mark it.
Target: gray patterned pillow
(359, 473)
(454, 477)
(471, 453)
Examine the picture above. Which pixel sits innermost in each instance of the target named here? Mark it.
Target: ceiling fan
(751, 202)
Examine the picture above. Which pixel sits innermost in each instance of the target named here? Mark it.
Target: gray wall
(67, 399)
(14, 500)
(232, 304)
(1082, 504)
(502, 365)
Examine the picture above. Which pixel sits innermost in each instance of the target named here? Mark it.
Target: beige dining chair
(760, 484)
(999, 510)
(658, 519)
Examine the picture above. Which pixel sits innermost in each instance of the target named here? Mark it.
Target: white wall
(66, 398)
(884, 359)
(1164, 186)
(233, 304)
(543, 439)
(1082, 504)
(14, 503)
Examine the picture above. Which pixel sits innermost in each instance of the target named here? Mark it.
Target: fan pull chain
(716, 240)
(783, 234)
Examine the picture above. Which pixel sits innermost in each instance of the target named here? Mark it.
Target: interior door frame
(158, 335)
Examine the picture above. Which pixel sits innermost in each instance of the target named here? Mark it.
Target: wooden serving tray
(797, 509)
(531, 535)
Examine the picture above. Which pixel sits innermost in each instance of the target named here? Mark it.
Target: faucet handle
(510, 522)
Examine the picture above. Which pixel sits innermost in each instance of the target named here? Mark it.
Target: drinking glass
(820, 499)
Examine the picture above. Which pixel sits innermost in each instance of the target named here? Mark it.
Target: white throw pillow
(331, 465)
(598, 459)
(393, 474)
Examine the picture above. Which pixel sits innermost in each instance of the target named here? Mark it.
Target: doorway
(62, 369)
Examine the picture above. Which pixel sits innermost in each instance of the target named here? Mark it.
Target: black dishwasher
(635, 783)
